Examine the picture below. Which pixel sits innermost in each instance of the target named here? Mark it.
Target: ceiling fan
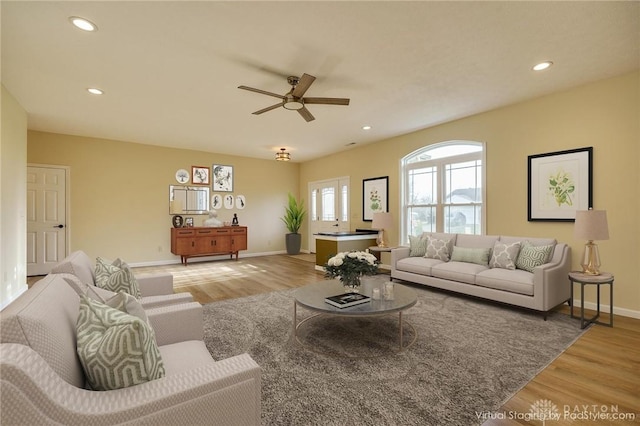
(294, 99)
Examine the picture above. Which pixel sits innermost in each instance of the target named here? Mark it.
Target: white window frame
(440, 163)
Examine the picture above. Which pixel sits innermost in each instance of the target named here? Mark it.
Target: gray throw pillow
(531, 256)
(438, 249)
(478, 256)
(504, 255)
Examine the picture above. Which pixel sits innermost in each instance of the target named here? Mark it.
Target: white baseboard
(606, 309)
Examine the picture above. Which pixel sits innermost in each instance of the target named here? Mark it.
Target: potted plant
(294, 214)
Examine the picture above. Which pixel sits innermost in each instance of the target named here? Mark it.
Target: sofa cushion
(438, 248)
(417, 265)
(504, 255)
(185, 356)
(479, 256)
(458, 271)
(78, 264)
(116, 276)
(116, 350)
(514, 281)
(417, 246)
(534, 241)
(531, 256)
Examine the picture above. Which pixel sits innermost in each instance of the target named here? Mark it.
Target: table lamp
(591, 225)
(381, 221)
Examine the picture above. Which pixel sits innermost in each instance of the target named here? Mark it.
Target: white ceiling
(170, 70)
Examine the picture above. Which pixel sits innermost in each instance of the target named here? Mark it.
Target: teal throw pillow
(531, 256)
(479, 256)
(116, 350)
(116, 277)
(417, 246)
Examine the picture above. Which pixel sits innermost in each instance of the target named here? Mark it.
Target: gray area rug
(468, 357)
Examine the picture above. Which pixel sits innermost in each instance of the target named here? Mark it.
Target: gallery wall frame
(199, 175)
(222, 178)
(559, 184)
(375, 197)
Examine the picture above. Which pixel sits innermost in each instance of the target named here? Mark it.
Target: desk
(598, 280)
(330, 243)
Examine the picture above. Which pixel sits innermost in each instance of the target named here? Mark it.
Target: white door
(46, 218)
(329, 208)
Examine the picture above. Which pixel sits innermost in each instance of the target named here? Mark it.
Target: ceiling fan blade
(327, 101)
(268, 109)
(264, 92)
(304, 112)
(303, 85)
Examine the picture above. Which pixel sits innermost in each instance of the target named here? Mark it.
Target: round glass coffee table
(313, 296)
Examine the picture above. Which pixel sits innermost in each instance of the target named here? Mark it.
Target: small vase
(351, 284)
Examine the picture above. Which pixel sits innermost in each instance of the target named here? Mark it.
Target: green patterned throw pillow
(504, 255)
(116, 277)
(531, 256)
(438, 249)
(478, 256)
(417, 246)
(116, 350)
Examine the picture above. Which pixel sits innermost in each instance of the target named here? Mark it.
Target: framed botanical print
(375, 197)
(222, 178)
(559, 184)
(200, 175)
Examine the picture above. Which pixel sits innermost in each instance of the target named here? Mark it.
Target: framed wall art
(222, 178)
(559, 183)
(375, 197)
(199, 175)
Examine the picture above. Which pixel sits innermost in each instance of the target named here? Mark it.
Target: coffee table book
(347, 299)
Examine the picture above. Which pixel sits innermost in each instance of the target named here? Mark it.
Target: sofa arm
(551, 279)
(398, 253)
(155, 284)
(226, 392)
(166, 299)
(176, 323)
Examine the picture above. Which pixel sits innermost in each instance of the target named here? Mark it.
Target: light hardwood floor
(601, 369)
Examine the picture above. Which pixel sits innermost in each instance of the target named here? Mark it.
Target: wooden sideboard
(193, 242)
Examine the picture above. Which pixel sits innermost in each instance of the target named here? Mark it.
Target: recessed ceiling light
(366, 127)
(542, 66)
(95, 91)
(83, 24)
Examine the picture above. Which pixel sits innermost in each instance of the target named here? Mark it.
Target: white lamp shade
(591, 225)
(382, 221)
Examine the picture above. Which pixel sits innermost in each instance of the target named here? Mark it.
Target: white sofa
(42, 380)
(541, 290)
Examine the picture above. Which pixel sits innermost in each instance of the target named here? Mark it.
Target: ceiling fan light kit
(294, 100)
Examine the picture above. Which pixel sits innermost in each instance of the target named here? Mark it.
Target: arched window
(443, 189)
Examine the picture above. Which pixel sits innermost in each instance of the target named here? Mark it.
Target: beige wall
(604, 115)
(13, 199)
(119, 195)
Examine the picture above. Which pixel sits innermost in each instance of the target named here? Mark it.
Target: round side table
(598, 280)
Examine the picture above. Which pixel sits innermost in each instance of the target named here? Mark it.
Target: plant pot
(293, 243)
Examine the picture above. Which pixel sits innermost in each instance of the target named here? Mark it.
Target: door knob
(58, 226)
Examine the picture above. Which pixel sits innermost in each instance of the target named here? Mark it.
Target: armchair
(156, 289)
(42, 380)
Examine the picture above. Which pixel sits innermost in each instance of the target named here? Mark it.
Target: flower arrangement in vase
(350, 266)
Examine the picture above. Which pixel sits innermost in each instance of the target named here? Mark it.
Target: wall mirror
(188, 199)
